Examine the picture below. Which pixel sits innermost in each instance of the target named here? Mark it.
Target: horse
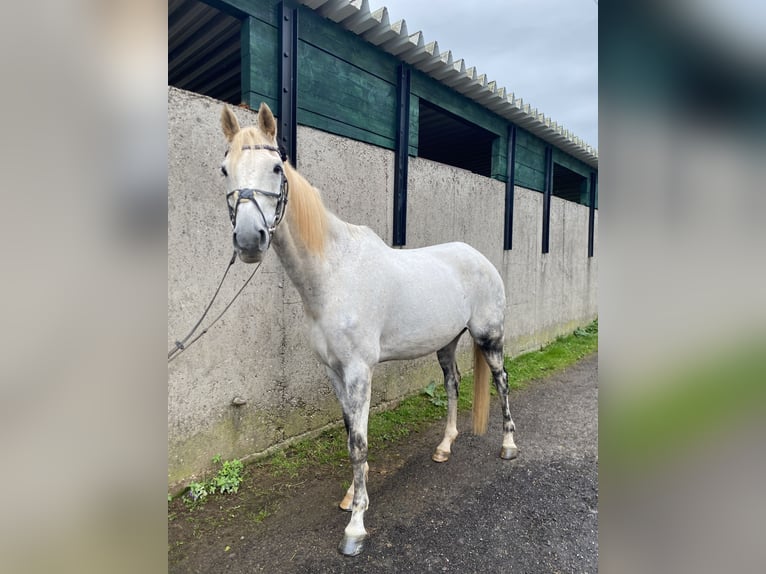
(365, 302)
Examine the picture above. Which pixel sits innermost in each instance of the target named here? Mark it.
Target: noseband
(248, 194)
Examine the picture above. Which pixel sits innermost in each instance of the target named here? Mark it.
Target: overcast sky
(544, 51)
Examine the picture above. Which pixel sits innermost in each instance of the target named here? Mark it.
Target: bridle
(248, 194)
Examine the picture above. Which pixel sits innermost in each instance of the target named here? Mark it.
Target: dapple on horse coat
(365, 302)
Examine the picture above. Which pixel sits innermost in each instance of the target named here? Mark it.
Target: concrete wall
(259, 353)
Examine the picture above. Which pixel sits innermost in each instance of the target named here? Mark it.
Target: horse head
(256, 183)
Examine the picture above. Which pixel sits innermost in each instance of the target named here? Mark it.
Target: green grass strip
(414, 413)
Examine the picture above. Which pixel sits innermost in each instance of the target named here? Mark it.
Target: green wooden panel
(584, 192)
(337, 90)
(331, 125)
(260, 63)
(438, 94)
(414, 124)
(346, 46)
(530, 178)
(500, 158)
(527, 140)
(530, 158)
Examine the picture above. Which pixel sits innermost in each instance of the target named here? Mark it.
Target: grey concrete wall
(259, 352)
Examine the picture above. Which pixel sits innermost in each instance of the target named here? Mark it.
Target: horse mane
(249, 135)
(306, 213)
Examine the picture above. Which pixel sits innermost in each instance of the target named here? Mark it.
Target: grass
(263, 485)
(563, 352)
(414, 413)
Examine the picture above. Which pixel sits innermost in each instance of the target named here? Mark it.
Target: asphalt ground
(474, 513)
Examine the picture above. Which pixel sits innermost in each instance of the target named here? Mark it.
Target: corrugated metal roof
(375, 27)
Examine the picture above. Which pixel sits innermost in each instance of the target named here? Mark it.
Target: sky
(544, 51)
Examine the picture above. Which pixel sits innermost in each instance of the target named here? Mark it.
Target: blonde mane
(306, 214)
(250, 135)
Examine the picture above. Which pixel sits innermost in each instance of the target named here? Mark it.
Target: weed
(198, 491)
(328, 453)
(437, 398)
(229, 477)
(386, 428)
(260, 516)
(226, 481)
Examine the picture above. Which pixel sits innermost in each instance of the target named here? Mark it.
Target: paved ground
(475, 513)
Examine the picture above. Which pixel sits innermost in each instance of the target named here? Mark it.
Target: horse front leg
(348, 499)
(355, 402)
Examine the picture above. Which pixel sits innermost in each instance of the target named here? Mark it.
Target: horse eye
(277, 168)
(224, 172)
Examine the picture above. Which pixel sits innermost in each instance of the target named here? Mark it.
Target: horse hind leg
(492, 349)
(447, 362)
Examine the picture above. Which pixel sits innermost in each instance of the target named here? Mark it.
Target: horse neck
(308, 272)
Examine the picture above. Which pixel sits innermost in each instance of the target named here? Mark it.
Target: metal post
(402, 154)
(288, 126)
(509, 188)
(592, 211)
(547, 197)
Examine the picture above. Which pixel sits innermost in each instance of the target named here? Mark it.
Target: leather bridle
(237, 196)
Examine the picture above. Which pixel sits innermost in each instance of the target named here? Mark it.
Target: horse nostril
(263, 237)
(253, 240)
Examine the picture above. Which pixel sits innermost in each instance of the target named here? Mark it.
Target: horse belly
(418, 330)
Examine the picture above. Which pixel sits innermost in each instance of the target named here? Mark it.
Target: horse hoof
(509, 452)
(352, 545)
(346, 503)
(440, 456)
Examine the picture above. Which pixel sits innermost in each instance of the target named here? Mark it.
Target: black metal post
(288, 76)
(510, 188)
(402, 154)
(547, 198)
(592, 211)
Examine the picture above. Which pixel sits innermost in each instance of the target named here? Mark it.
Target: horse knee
(357, 448)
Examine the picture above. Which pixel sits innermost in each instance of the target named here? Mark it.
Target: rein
(242, 194)
(182, 345)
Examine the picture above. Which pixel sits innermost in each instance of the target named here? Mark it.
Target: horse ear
(266, 121)
(229, 123)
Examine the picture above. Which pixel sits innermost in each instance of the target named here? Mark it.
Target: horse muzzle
(250, 238)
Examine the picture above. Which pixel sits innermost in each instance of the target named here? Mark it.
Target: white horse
(365, 303)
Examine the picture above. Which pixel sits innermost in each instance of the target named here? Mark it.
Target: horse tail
(480, 391)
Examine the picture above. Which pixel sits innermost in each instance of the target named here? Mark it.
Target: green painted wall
(260, 63)
(345, 85)
(530, 160)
